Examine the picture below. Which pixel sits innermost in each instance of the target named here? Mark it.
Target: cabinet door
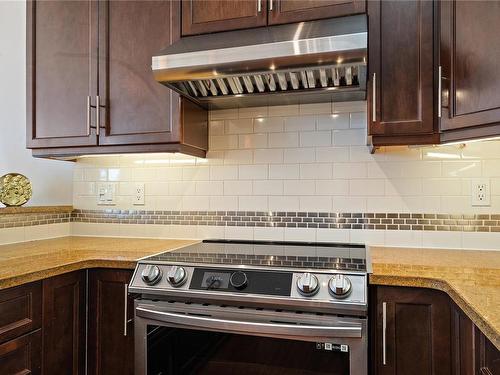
(64, 319)
(288, 11)
(61, 73)
(412, 331)
(208, 16)
(111, 341)
(488, 356)
(401, 67)
(22, 355)
(464, 336)
(138, 110)
(470, 52)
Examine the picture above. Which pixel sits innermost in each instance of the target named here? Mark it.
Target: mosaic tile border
(33, 219)
(327, 220)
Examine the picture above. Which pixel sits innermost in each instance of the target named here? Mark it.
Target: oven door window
(176, 351)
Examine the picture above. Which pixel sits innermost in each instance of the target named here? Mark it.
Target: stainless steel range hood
(308, 62)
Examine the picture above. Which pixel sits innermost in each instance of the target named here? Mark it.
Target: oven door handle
(236, 326)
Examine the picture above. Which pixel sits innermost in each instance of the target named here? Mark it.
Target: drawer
(22, 355)
(20, 310)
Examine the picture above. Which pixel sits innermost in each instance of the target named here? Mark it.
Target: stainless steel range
(227, 307)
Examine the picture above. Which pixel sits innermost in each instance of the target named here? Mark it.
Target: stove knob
(151, 274)
(176, 276)
(307, 284)
(340, 286)
(238, 280)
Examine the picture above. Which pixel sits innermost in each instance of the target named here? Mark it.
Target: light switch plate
(480, 192)
(106, 194)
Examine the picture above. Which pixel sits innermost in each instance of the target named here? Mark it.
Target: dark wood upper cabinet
(203, 16)
(138, 110)
(64, 319)
(61, 72)
(208, 16)
(411, 332)
(469, 58)
(111, 326)
(401, 72)
(288, 11)
(91, 89)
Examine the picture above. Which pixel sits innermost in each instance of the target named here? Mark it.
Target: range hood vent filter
(330, 78)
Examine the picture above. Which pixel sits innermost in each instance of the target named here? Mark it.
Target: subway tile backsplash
(292, 159)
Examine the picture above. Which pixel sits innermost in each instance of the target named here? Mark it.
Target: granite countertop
(35, 210)
(470, 277)
(30, 261)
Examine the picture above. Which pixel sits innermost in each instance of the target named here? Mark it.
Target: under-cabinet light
(496, 138)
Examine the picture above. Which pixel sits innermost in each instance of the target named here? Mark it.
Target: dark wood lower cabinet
(463, 343)
(487, 356)
(20, 310)
(412, 332)
(111, 339)
(472, 352)
(22, 355)
(64, 324)
(422, 331)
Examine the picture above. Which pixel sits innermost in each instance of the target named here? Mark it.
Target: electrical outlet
(106, 194)
(139, 194)
(480, 192)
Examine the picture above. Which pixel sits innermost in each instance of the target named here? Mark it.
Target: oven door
(174, 338)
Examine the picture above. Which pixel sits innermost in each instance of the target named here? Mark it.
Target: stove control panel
(348, 287)
(339, 287)
(158, 277)
(242, 281)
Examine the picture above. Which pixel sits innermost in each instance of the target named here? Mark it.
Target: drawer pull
(384, 333)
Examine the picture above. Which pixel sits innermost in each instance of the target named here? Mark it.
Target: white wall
(51, 180)
(298, 158)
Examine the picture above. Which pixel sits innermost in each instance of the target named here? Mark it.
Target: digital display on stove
(258, 282)
(215, 280)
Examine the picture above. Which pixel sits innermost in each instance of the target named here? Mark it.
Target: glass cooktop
(351, 257)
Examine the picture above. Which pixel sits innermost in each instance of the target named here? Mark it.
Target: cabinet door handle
(384, 333)
(270, 5)
(259, 6)
(98, 114)
(88, 115)
(374, 97)
(125, 312)
(439, 90)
